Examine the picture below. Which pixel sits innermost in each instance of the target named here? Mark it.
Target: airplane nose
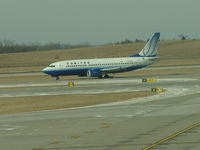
(44, 70)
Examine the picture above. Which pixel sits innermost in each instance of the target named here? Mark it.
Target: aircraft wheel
(100, 76)
(106, 76)
(57, 78)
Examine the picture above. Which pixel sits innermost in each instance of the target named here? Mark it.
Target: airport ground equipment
(157, 90)
(149, 80)
(70, 84)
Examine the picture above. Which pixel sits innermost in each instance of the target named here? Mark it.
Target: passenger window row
(77, 65)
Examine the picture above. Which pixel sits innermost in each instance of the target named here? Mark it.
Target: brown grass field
(38, 103)
(175, 52)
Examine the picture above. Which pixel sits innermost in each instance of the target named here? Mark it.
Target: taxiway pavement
(131, 125)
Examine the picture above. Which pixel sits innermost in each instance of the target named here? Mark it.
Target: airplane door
(60, 65)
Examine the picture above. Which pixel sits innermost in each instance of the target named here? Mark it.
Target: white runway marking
(100, 116)
(171, 92)
(106, 81)
(67, 92)
(32, 85)
(177, 80)
(171, 67)
(8, 129)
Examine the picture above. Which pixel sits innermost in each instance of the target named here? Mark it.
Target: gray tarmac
(132, 125)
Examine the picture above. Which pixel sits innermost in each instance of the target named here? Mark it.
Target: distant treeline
(126, 41)
(9, 46)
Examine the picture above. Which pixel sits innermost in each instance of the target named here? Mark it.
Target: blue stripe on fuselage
(138, 55)
(81, 71)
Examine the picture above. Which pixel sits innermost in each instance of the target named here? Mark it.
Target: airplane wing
(107, 70)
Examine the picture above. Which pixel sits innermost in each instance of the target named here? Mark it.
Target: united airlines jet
(103, 66)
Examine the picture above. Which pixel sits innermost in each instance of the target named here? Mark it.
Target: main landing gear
(57, 78)
(104, 76)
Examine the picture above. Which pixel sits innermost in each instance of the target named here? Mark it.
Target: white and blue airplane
(102, 67)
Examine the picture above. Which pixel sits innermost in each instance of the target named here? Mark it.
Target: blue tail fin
(150, 49)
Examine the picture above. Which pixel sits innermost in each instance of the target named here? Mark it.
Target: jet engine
(94, 73)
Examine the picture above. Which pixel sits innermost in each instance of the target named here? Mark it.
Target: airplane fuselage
(109, 65)
(103, 66)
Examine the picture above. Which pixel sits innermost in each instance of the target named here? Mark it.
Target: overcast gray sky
(97, 21)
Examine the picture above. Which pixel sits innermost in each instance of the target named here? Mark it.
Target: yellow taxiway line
(172, 136)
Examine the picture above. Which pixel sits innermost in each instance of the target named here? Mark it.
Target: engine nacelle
(94, 73)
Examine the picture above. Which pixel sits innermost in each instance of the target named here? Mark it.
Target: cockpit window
(51, 66)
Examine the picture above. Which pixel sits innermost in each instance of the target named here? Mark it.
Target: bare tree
(183, 37)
